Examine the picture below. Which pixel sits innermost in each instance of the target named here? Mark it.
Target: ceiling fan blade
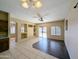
(35, 17)
(39, 15)
(46, 14)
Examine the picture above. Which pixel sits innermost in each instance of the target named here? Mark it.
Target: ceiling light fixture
(31, 3)
(38, 4)
(25, 5)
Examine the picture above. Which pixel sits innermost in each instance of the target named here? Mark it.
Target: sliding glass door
(43, 32)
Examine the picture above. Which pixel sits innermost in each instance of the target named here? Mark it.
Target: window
(12, 29)
(55, 30)
(22, 29)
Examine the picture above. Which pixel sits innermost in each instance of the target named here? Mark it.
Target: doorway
(30, 32)
(13, 33)
(43, 32)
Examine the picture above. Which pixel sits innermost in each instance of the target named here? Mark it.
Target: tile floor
(24, 50)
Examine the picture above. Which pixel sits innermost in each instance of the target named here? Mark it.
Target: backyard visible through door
(43, 32)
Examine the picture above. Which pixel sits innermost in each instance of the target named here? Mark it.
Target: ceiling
(55, 10)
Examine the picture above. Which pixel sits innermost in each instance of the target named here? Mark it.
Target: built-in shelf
(23, 31)
(23, 35)
(30, 25)
(35, 29)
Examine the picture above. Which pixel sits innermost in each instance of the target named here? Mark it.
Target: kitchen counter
(3, 37)
(4, 43)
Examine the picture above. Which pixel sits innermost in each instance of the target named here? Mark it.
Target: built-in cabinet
(4, 39)
(23, 31)
(28, 30)
(3, 24)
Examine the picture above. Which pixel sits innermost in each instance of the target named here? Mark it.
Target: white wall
(71, 36)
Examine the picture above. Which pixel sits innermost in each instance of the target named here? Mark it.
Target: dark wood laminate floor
(52, 47)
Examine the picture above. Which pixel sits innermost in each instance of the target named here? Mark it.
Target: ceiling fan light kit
(31, 3)
(25, 5)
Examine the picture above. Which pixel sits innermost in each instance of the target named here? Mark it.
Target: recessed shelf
(23, 31)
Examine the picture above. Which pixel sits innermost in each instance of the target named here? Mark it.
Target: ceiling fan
(40, 17)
